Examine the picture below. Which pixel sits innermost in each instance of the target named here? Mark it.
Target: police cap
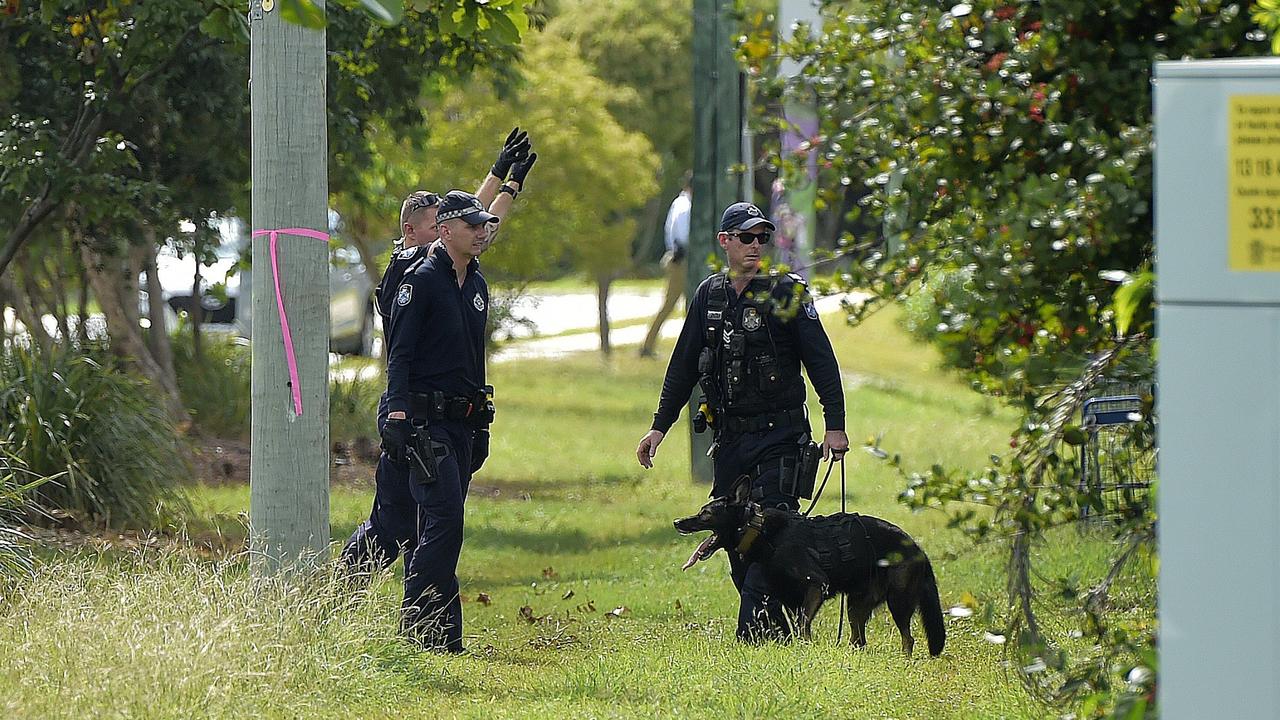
(743, 216)
(459, 204)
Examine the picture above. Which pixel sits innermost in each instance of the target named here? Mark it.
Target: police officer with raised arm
(744, 340)
(392, 526)
(437, 400)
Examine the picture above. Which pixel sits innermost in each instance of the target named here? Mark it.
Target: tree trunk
(82, 320)
(26, 313)
(122, 328)
(158, 338)
(196, 310)
(602, 308)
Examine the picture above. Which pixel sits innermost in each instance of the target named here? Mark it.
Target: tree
(1007, 150)
(645, 47)
(128, 117)
(590, 176)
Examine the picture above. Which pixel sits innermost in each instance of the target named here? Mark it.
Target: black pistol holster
(798, 473)
(424, 455)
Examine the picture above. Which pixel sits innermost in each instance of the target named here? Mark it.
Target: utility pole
(717, 119)
(289, 468)
(797, 218)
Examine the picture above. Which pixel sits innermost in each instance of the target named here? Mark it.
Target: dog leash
(831, 464)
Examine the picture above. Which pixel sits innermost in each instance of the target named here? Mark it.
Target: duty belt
(764, 421)
(437, 406)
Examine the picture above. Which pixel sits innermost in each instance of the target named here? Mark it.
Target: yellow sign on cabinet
(1253, 183)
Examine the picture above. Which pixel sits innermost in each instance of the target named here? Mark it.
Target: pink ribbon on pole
(284, 318)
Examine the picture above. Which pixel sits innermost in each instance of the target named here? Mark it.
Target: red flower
(996, 61)
(1005, 12)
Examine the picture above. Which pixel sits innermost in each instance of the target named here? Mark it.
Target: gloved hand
(521, 169)
(514, 149)
(479, 449)
(397, 434)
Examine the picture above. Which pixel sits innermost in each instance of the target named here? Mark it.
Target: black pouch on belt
(807, 469)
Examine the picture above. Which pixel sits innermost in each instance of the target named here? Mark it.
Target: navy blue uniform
(436, 345)
(754, 344)
(392, 527)
(402, 262)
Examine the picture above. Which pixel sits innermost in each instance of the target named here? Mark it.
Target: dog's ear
(740, 493)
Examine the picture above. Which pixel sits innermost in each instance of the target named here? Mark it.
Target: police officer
(392, 527)
(418, 213)
(744, 339)
(437, 401)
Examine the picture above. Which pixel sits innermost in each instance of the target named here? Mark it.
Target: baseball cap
(459, 204)
(743, 216)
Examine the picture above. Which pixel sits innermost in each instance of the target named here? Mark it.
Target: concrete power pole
(717, 118)
(289, 469)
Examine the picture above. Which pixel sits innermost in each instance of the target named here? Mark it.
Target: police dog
(808, 560)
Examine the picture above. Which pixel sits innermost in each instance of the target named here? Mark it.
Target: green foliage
(1010, 140)
(591, 173)
(353, 407)
(99, 432)
(1012, 143)
(16, 484)
(644, 46)
(216, 388)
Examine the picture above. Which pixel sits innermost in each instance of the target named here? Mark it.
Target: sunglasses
(747, 238)
(426, 200)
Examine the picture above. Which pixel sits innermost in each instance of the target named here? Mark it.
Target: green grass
(564, 522)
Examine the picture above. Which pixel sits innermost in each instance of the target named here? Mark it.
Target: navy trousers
(432, 610)
(392, 527)
(761, 614)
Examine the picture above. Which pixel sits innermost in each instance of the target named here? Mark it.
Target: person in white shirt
(676, 232)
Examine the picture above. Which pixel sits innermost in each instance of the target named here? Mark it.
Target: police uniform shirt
(436, 337)
(402, 263)
(786, 319)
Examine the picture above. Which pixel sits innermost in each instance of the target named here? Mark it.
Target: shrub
(216, 390)
(102, 434)
(353, 407)
(15, 482)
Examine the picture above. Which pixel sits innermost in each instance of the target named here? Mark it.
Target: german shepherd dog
(808, 560)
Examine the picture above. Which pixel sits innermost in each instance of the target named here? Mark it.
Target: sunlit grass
(561, 521)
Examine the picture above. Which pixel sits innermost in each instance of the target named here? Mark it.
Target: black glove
(514, 149)
(521, 169)
(479, 449)
(397, 434)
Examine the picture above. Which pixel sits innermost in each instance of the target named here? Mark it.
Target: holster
(798, 473)
(424, 456)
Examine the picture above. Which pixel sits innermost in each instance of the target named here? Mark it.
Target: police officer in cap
(418, 213)
(392, 526)
(438, 402)
(744, 340)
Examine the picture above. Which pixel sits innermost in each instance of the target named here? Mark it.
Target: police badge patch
(478, 302)
(751, 319)
(407, 253)
(810, 310)
(404, 295)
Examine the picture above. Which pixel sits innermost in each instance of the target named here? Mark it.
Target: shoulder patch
(478, 302)
(404, 295)
(797, 277)
(810, 310)
(407, 253)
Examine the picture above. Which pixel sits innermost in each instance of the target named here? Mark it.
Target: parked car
(226, 293)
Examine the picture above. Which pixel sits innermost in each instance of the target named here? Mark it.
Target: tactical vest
(754, 365)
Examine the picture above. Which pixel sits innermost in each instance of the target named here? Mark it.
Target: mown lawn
(574, 599)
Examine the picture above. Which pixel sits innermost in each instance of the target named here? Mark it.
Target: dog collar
(751, 531)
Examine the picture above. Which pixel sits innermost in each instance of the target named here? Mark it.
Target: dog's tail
(935, 630)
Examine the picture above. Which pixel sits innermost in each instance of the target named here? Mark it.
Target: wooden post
(289, 468)
(717, 118)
